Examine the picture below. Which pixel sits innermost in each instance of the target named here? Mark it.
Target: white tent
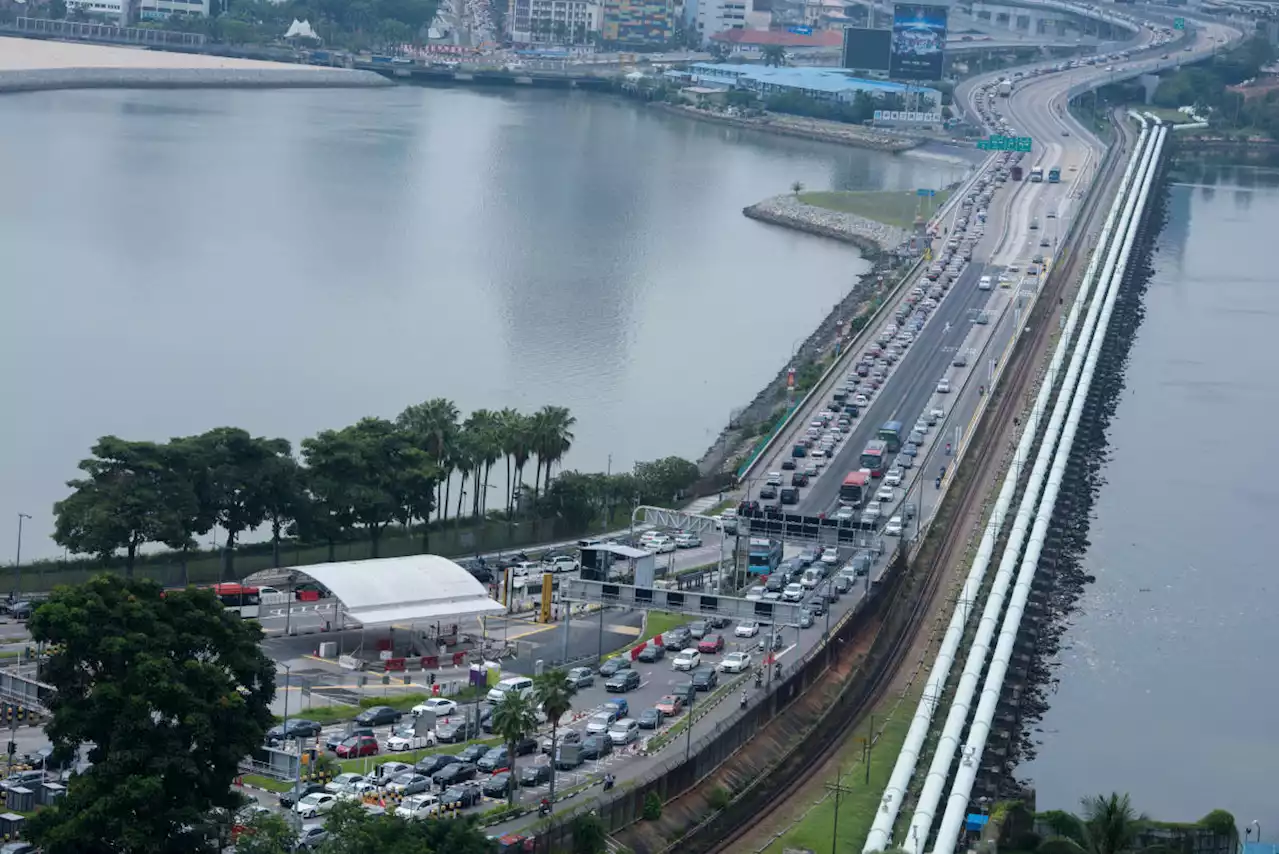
(301, 30)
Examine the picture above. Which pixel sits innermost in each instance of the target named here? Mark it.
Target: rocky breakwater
(36, 79)
(824, 131)
(868, 235)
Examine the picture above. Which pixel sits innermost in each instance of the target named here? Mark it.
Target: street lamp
(17, 562)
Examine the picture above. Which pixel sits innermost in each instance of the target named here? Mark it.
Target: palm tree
(554, 694)
(482, 426)
(1110, 826)
(513, 719)
(774, 55)
(520, 447)
(510, 423)
(434, 427)
(552, 439)
(463, 459)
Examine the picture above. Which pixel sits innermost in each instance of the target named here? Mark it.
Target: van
(624, 731)
(520, 684)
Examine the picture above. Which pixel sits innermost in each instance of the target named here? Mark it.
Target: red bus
(854, 488)
(245, 601)
(874, 457)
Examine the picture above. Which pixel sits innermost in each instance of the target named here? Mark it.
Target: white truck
(1005, 88)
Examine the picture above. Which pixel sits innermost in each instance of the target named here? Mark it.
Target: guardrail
(867, 330)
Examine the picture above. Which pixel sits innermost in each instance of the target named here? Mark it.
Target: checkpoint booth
(610, 562)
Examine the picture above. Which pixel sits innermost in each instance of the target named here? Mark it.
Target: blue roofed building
(822, 84)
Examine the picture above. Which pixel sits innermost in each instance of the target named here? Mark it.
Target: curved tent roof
(397, 589)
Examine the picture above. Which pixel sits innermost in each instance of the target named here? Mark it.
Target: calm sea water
(1169, 670)
(293, 261)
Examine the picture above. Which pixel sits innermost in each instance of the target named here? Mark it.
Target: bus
(763, 555)
(875, 457)
(1037, 174)
(891, 435)
(1055, 175)
(245, 601)
(855, 487)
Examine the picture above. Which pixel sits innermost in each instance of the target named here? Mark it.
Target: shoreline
(873, 238)
(813, 129)
(54, 79)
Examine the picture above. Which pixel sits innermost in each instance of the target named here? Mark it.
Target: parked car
(596, 746)
(456, 730)
(418, 807)
(466, 795)
(452, 774)
(624, 731)
(497, 786)
(535, 775)
(341, 782)
(613, 665)
(296, 728)
(580, 677)
(473, 752)
(670, 705)
(651, 653)
(314, 804)
(360, 745)
(433, 762)
(599, 723)
(650, 718)
(332, 742)
(409, 783)
(379, 716)
(310, 838)
(438, 706)
(404, 738)
(298, 792)
(565, 737)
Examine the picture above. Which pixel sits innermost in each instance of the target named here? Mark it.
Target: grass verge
(267, 783)
(660, 622)
(896, 208)
(339, 712)
(863, 784)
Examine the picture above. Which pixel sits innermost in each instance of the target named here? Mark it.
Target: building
(638, 23)
(159, 10)
(718, 16)
(753, 42)
(551, 21)
(115, 11)
(821, 84)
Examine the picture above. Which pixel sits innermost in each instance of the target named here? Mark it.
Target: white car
(357, 791)
(687, 540)
(688, 659)
(937, 413)
(526, 569)
(404, 739)
(894, 528)
(944, 386)
(661, 545)
(830, 555)
(736, 662)
(438, 706)
(885, 493)
(984, 283)
(746, 630)
(314, 804)
(774, 478)
(793, 592)
(420, 806)
(755, 594)
(845, 513)
(561, 563)
(893, 477)
(342, 781)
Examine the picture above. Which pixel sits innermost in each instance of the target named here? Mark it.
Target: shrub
(719, 798)
(652, 807)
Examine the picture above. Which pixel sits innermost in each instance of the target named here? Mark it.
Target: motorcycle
(743, 704)
(759, 678)
(544, 809)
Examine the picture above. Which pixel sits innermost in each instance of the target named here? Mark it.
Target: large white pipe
(904, 767)
(962, 787)
(953, 729)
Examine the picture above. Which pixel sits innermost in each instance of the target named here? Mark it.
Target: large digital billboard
(866, 50)
(919, 38)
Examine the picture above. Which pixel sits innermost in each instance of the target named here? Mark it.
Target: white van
(624, 731)
(984, 284)
(521, 684)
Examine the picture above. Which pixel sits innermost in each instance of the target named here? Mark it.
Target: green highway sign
(1179, 23)
(1005, 143)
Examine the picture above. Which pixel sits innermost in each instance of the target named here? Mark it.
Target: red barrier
(635, 651)
(308, 595)
(459, 658)
(658, 640)
(394, 665)
(430, 662)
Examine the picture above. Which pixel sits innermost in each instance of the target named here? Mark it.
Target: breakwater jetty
(868, 235)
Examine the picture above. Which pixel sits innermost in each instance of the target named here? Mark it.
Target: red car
(360, 745)
(711, 644)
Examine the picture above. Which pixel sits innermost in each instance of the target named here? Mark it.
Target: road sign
(924, 192)
(801, 31)
(1179, 23)
(1005, 143)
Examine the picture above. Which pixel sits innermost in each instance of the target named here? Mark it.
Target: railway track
(945, 544)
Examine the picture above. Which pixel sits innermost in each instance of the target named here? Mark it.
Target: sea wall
(868, 235)
(39, 79)
(823, 131)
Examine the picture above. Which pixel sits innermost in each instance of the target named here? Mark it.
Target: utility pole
(839, 790)
(17, 563)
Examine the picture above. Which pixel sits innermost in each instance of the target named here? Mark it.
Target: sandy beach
(38, 54)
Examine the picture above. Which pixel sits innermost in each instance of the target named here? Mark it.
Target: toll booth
(609, 561)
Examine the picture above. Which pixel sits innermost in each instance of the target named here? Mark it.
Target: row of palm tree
(516, 716)
(470, 448)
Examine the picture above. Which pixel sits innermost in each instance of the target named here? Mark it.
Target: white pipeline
(904, 767)
(962, 787)
(953, 730)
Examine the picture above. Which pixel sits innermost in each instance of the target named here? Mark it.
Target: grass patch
(360, 763)
(403, 701)
(858, 808)
(267, 783)
(897, 208)
(10, 653)
(1164, 114)
(661, 622)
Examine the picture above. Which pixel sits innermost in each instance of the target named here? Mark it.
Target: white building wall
(113, 9)
(152, 10)
(718, 16)
(579, 17)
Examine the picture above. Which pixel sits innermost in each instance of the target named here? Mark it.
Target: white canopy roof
(417, 588)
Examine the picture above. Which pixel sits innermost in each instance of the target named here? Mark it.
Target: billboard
(866, 50)
(919, 37)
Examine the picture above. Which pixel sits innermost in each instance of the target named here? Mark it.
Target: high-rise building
(552, 21)
(638, 22)
(718, 16)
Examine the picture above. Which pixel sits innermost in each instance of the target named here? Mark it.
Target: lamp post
(17, 562)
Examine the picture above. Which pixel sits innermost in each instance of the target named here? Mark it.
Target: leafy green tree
(333, 469)
(170, 690)
(514, 717)
(663, 480)
(267, 833)
(1110, 826)
(774, 55)
(238, 496)
(589, 835)
(283, 494)
(120, 505)
(354, 831)
(797, 187)
(554, 695)
(185, 499)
